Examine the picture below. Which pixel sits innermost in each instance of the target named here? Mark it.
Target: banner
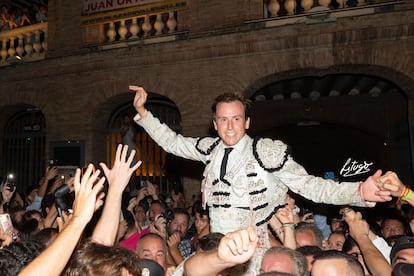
(155, 7)
(94, 6)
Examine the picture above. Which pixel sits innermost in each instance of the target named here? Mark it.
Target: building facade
(341, 65)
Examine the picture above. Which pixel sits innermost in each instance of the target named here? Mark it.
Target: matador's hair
(232, 97)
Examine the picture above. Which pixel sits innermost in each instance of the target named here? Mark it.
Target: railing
(23, 44)
(279, 8)
(134, 25)
(287, 8)
(145, 26)
(285, 12)
(154, 24)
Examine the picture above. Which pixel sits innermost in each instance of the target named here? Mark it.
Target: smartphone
(304, 211)
(6, 223)
(143, 184)
(61, 200)
(51, 163)
(10, 187)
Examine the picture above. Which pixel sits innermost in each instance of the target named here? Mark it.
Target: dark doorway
(24, 147)
(328, 119)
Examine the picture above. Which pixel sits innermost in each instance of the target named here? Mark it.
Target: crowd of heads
(19, 16)
(164, 232)
(165, 235)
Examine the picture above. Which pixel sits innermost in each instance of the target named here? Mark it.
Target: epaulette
(205, 145)
(270, 154)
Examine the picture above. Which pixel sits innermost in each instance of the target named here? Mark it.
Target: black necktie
(224, 162)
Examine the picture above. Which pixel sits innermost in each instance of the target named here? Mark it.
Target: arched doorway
(24, 147)
(157, 166)
(329, 118)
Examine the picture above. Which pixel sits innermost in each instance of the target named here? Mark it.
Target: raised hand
(6, 237)
(142, 193)
(239, 246)
(118, 177)
(372, 189)
(140, 98)
(88, 197)
(174, 240)
(51, 172)
(7, 193)
(88, 194)
(56, 184)
(151, 190)
(159, 226)
(357, 226)
(392, 183)
(284, 215)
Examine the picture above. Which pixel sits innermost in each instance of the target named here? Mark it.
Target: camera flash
(11, 176)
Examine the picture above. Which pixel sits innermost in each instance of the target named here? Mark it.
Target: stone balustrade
(139, 25)
(27, 44)
(147, 27)
(282, 8)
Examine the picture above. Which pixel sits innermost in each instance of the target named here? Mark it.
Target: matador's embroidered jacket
(259, 174)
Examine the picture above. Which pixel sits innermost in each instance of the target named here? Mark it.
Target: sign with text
(94, 6)
(152, 7)
(353, 168)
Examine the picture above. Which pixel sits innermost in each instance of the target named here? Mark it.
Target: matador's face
(230, 122)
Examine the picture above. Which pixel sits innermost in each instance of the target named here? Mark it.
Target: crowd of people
(13, 17)
(92, 224)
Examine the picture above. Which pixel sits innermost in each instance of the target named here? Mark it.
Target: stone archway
(155, 160)
(309, 109)
(24, 143)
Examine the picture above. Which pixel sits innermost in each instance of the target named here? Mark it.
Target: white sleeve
(168, 139)
(383, 247)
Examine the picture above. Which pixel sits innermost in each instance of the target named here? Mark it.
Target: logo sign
(353, 167)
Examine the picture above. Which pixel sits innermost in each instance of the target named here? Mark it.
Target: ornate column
(171, 22)
(11, 51)
(3, 52)
(134, 28)
(146, 26)
(159, 24)
(28, 44)
(307, 4)
(36, 45)
(273, 7)
(122, 31)
(290, 6)
(111, 33)
(20, 48)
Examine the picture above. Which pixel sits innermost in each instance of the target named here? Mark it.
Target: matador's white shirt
(259, 174)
